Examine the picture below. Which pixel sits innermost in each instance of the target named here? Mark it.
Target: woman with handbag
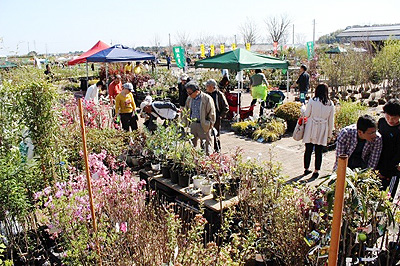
(320, 117)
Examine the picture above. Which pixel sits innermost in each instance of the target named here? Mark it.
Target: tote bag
(298, 132)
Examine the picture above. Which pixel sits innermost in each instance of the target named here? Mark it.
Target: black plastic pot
(233, 186)
(183, 179)
(219, 190)
(165, 171)
(174, 172)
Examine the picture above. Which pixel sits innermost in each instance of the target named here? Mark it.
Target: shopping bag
(299, 129)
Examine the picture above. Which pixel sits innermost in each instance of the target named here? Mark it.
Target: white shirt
(92, 94)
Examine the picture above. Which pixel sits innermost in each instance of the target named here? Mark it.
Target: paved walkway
(287, 151)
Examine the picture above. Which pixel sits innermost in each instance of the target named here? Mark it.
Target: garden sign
(179, 55)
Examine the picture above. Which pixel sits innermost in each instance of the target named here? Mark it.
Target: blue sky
(70, 25)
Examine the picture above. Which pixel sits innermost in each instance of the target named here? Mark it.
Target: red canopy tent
(99, 46)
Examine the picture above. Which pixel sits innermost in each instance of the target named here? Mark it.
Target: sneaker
(307, 172)
(314, 175)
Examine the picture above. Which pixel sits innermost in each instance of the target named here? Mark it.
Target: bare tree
(249, 31)
(221, 39)
(277, 27)
(204, 39)
(183, 39)
(156, 42)
(301, 38)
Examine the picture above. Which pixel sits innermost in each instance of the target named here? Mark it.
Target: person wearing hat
(114, 88)
(125, 107)
(221, 109)
(157, 109)
(201, 111)
(182, 91)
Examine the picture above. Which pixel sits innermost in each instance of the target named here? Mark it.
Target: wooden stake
(89, 184)
(337, 210)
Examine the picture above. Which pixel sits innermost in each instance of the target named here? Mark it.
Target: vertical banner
(222, 47)
(203, 51)
(310, 50)
(248, 46)
(179, 55)
(233, 46)
(212, 50)
(275, 47)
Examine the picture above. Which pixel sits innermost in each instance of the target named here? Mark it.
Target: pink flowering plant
(95, 115)
(119, 203)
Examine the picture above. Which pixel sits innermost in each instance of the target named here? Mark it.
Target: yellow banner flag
(202, 50)
(248, 46)
(233, 46)
(222, 47)
(212, 50)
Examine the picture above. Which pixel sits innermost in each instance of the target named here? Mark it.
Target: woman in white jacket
(320, 116)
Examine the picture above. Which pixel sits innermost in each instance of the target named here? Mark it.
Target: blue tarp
(119, 53)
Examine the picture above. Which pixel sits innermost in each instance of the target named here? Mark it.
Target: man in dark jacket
(221, 109)
(182, 91)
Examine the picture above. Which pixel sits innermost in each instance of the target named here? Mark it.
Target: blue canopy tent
(118, 53)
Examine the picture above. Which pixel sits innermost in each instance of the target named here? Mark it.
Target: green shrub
(348, 113)
(114, 141)
(289, 111)
(240, 127)
(270, 131)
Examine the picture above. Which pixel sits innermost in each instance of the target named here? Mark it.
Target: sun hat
(184, 77)
(143, 105)
(128, 86)
(148, 99)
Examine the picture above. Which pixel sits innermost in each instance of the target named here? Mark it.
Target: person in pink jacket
(320, 116)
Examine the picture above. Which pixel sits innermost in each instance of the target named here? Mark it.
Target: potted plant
(290, 112)
(206, 187)
(188, 161)
(197, 179)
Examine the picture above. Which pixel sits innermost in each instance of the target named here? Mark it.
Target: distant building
(364, 36)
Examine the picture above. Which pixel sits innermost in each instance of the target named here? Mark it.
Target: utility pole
(235, 40)
(313, 34)
(169, 41)
(28, 47)
(293, 36)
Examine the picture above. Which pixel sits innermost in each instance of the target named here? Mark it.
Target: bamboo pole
(89, 184)
(337, 210)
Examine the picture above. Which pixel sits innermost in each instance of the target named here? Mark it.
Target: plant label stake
(337, 210)
(89, 184)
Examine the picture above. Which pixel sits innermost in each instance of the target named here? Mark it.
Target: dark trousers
(318, 155)
(217, 142)
(262, 105)
(128, 121)
(392, 183)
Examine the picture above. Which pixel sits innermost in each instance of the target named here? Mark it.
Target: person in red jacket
(114, 88)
